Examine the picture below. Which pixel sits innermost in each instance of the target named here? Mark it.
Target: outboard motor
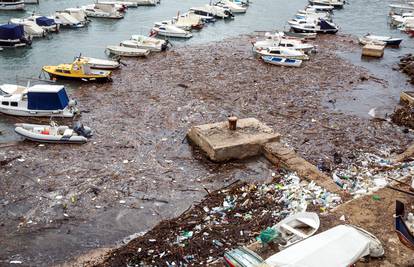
(82, 130)
(229, 14)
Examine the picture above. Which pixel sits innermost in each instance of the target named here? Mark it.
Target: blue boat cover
(43, 21)
(11, 31)
(326, 25)
(48, 100)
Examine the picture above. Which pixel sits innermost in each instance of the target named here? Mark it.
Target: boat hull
(89, 79)
(18, 6)
(304, 30)
(49, 139)
(37, 113)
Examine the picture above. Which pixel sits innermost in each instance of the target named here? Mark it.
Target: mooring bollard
(232, 123)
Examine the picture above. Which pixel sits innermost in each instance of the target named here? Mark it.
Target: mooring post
(232, 123)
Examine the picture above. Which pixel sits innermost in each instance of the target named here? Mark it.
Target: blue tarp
(43, 21)
(11, 31)
(47, 100)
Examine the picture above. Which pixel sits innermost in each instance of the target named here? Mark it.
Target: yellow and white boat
(78, 70)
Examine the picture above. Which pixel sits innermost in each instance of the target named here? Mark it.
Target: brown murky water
(60, 201)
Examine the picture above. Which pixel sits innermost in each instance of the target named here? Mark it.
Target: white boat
(335, 3)
(186, 26)
(233, 7)
(31, 2)
(343, 245)
(64, 19)
(169, 31)
(321, 26)
(123, 3)
(279, 39)
(280, 61)
(36, 101)
(145, 42)
(11, 5)
(382, 39)
(215, 11)
(204, 18)
(47, 24)
(96, 63)
(127, 51)
(54, 133)
(77, 13)
(30, 27)
(318, 8)
(103, 10)
(282, 52)
(297, 227)
(146, 2)
(190, 19)
(305, 20)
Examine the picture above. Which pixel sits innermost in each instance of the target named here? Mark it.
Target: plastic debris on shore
(369, 173)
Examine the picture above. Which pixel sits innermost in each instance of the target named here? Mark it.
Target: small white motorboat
(103, 10)
(146, 2)
(215, 11)
(77, 13)
(54, 133)
(320, 26)
(233, 7)
(335, 3)
(66, 19)
(189, 19)
(384, 39)
(47, 24)
(145, 42)
(279, 39)
(184, 25)
(127, 51)
(280, 61)
(11, 5)
(30, 27)
(169, 31)
(319, 8)
(282, 52)
(36, 101)
(123, 3)
(101, 64)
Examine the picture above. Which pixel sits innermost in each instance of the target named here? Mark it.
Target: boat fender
(45, 132)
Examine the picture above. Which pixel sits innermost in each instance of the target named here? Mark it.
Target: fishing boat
(54, 133)
(321, 26)
(169, 31)
(127, 51)
(145, 42)
(338, 4)
(12, 35)
(215, 11)
(103, 10)
(11, 5)
(280, 61)
(64, 19)
(30, 27)
(282, 52)
(390, 41)
(36, 101)
(233, 7)
(77, 71)
(96, 63)
(402, 227)
(47, 24)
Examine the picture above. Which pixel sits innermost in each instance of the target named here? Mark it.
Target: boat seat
(293, 230)
(68, 132)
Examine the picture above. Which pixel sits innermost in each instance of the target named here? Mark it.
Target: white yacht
(37, 101)
(161, 29)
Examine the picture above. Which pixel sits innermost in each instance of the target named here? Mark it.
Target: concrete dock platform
(233, 139)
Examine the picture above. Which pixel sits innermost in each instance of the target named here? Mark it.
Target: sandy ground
(61, 201)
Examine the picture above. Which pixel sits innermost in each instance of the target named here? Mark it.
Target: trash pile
(407, 66)
(226, 218)
(404, 115)
(369, 173)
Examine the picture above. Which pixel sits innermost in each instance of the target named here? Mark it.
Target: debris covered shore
(139, 161)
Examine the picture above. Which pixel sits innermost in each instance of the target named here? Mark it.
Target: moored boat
(101, 64)
(36, 101)
(47, 24)
(145, 42)
(103, 10)
(335, 3)
(169, 31)
(65, 19)
(12, 35)
(127, 51)
(390, 41)
(321, 26)
(282, 52)
(77, 71)
(11, 5)
(280, 61)
(54, 133)
(30, 27)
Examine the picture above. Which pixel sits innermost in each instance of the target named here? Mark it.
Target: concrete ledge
(222, 144)
(282, 156)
